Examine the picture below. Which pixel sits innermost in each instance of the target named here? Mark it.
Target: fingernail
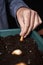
(25, 36)
(20, 34)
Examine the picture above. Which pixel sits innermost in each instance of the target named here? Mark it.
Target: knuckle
(28, 11)
(35, 12)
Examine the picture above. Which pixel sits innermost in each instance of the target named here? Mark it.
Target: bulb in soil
(21, 38)
(21, 63)
(17, 52)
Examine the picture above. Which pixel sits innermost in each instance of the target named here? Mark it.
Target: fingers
(26, 16)
(20, 20)
(34, 22)
(40, 21)
(37, 21)
(32, 18)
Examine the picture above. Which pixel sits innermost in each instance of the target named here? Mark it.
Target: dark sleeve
(15, 5)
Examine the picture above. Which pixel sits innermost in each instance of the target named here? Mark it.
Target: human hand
(28, 20)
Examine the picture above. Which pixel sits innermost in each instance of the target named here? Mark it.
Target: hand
(28, 20)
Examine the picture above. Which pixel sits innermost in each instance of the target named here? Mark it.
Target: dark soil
(30, 53)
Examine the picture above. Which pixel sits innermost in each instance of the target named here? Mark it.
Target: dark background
(36, 5)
